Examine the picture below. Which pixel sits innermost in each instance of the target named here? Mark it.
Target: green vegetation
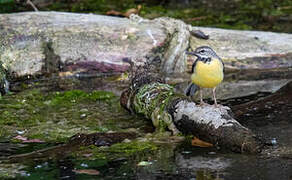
(120, 150)
(265, 15)
(56, 116)
(78, 95)
(145, 104)
(151, 101)
(7, 6)
(242, 14)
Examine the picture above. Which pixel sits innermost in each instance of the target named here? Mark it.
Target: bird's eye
(202, 51)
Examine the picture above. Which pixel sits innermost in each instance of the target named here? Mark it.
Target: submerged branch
(97, 139)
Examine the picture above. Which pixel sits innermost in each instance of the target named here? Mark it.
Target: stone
(36, 42)
(248, 49)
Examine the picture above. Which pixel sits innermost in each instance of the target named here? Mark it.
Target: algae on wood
(148, 96)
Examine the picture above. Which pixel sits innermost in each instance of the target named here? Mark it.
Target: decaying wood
(157, 101)
(97, 139)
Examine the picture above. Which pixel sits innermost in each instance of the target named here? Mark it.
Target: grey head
(204, 53)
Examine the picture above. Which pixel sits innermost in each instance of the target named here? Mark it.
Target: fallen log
(150, 97)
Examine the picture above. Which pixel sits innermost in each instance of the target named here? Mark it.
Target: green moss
(132, 147)
(78, 95)
(151, 101)
(102, 6)
(151, 96)
(256, 15)
(7, 6)
(162, 126)
(9, 171)
(153, 11)
(56, 116)
(129, 149)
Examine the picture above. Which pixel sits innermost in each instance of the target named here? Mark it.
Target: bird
(207, 72)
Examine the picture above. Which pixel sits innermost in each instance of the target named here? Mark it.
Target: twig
(32, 5)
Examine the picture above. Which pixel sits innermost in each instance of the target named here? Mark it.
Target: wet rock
(38, 42)
(238, 89)
(35, 43)
(174, 57)
(241, 50)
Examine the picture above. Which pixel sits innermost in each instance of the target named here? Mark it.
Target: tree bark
(150, 97)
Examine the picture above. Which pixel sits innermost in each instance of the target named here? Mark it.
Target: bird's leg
(214, 97)
(201, 97)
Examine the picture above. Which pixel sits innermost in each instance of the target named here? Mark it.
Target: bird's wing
(191, 89)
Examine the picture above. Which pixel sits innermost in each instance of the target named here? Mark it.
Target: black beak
(192, 53)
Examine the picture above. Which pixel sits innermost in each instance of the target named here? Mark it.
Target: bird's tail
(191, 89)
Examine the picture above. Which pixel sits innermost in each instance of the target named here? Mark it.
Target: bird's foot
(220, 107)
(202, 103)
(216, 105)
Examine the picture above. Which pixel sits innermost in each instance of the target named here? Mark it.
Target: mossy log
(157, 101)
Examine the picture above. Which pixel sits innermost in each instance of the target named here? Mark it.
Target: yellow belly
(208, 75)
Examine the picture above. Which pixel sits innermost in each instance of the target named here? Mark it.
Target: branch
(158, 102)
(32, 5)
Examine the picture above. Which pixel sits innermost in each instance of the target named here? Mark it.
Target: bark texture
(157, 101)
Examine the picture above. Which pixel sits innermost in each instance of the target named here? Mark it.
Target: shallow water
(167, 160)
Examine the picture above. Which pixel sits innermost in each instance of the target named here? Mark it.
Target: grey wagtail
(207, 72)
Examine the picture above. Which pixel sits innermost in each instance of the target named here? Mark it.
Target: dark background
(266, 15)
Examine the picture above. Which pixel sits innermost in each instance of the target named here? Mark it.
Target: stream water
(164, 159)
(40, 110)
